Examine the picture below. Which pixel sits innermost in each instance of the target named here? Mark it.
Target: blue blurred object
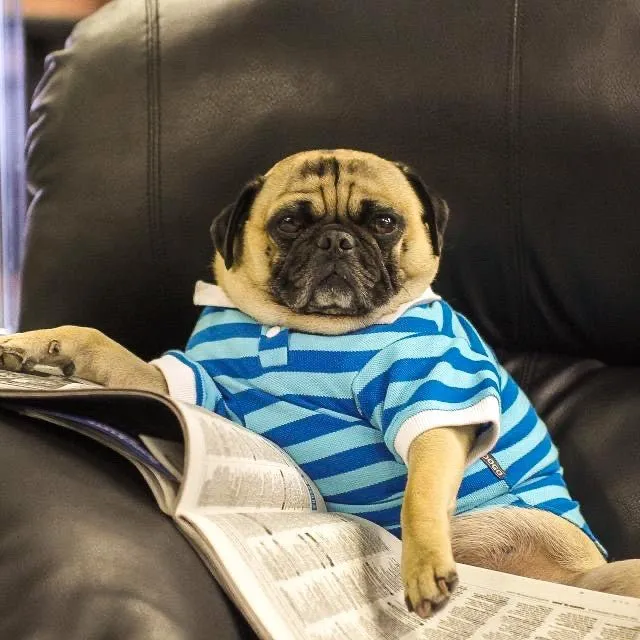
(12, 169)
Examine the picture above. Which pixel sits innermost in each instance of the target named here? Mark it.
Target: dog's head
(329, 241)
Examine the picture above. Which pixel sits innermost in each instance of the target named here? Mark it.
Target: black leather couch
(525, 114)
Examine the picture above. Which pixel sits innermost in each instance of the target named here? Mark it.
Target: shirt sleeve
(422, 382)
(188, 381)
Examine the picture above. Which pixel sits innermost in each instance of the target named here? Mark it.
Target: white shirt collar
(211, 295)
(428, 295)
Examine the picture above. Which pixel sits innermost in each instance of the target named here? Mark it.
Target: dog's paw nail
(54, 348)
(68, 369)
(443, 586)
(424, 609)
(447, 584)
(407, 601)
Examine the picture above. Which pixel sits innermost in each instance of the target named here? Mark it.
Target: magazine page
(231, 469)
(44, 380)
(168, 453)
(164, 491)
(163, 479)
(135, 449)
(332, 576)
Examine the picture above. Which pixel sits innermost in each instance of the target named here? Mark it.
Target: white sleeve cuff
(181, 380)
(485, 411)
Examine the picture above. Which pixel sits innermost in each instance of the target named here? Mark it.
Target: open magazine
(261, 526)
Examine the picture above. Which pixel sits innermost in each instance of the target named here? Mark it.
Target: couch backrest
(525, 115)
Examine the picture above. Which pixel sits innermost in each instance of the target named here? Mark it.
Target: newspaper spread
(298, 572)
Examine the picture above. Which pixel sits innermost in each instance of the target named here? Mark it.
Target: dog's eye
(384, 223)
(289, 224)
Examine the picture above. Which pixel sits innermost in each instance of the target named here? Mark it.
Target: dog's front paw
(23, 351)
(429, 575)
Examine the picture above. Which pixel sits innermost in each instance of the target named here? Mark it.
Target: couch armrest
(85, 552)
(593, 412)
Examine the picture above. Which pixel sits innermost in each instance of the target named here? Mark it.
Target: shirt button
(272, 332)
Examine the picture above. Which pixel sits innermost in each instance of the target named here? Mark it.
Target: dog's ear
(228, 225)
(434, 207)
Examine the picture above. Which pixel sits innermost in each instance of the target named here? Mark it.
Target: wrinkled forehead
(335, 183)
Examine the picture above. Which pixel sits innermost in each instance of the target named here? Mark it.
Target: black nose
(336, 240)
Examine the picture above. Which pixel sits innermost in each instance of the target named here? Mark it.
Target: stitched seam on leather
(514, 196)
(154, 174)
(530, 362)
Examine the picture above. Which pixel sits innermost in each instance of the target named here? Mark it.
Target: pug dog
(323, 333)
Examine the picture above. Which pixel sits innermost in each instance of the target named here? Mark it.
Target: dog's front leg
(436, 464)
(82, 351)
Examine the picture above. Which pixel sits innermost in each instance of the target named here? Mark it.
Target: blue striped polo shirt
(347, 407)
